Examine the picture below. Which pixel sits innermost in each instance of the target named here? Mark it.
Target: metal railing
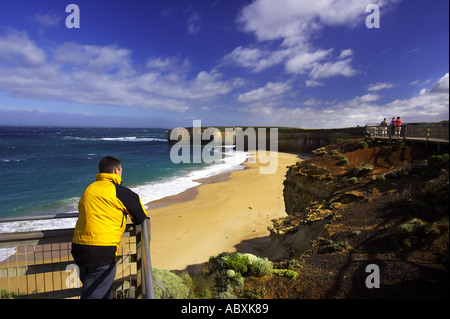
(429, 132)
(38, 264)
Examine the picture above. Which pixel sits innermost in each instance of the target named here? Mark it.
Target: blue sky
(164, 63)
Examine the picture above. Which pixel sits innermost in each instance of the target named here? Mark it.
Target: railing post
(139, 263)
(390, 133)
(149, 292)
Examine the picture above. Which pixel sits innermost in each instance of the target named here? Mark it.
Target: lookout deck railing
(38, 264)
(427, 133)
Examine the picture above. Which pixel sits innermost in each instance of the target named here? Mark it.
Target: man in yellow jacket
(103, 211)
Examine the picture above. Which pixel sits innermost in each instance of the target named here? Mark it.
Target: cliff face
(289, 139)
(300, 141)
(323, 187)
(305, 184)
(307, 190)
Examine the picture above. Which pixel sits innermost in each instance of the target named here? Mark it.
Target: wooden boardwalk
(434, 133)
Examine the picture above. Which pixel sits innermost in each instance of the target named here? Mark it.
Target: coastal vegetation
(352, 204)
(222, 277)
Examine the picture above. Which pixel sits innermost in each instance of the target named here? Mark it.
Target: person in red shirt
(398, 126)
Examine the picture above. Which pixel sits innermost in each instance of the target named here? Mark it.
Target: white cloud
(255, 59)
(168, 64)
(296, 23)
(313, 83)
(420, 83)
(93, 58)
(194, 23)
(330, 69)
(312, 102)
(49, 19)
(160, 63)
(103, 75)
(305, 61)
(380, 86)
(17, 49)
(366, 98)
(346, 53)
(441, 86)
(269, 91)
(427, 106)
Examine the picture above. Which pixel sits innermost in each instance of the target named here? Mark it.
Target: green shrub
(257, 293)
(413, 232)
(344, 161)
(319, 152)
(237, 262)
(174, 285)
(229, 269)
(436, 163)
(342, 245)
(335, 154)
(361, 145)
(227, 295)
(5, 294)
(397, 173)
(199, 285)
(258, 267)
(294, 263)
(285, 273)
(360, 170)
(245, 264)
(217, 263)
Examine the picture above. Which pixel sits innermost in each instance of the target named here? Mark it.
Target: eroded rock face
(348, 197)
(305, 184)
(283, 242)
(307, 189)
(312, 197)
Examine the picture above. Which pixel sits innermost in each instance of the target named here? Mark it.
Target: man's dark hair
(108, 164)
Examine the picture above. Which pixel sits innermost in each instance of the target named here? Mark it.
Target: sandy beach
(226, 213)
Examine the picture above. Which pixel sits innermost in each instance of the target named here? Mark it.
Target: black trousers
(97, 281)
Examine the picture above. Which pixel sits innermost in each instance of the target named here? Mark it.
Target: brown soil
(368, 227)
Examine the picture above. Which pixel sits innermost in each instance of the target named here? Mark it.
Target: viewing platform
(428, 133)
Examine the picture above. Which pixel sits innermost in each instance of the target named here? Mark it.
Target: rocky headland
(355, 204)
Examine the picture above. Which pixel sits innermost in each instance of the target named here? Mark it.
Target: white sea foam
(118, 139)
(176, 185)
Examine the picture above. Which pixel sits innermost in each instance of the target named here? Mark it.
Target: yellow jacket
(103, 210)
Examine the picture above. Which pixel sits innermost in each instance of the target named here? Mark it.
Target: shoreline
(189, 194)
(227, 212)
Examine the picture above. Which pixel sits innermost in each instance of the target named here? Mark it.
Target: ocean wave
(176, 185)
(12, 159)
(118, 139)
(133, 139)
